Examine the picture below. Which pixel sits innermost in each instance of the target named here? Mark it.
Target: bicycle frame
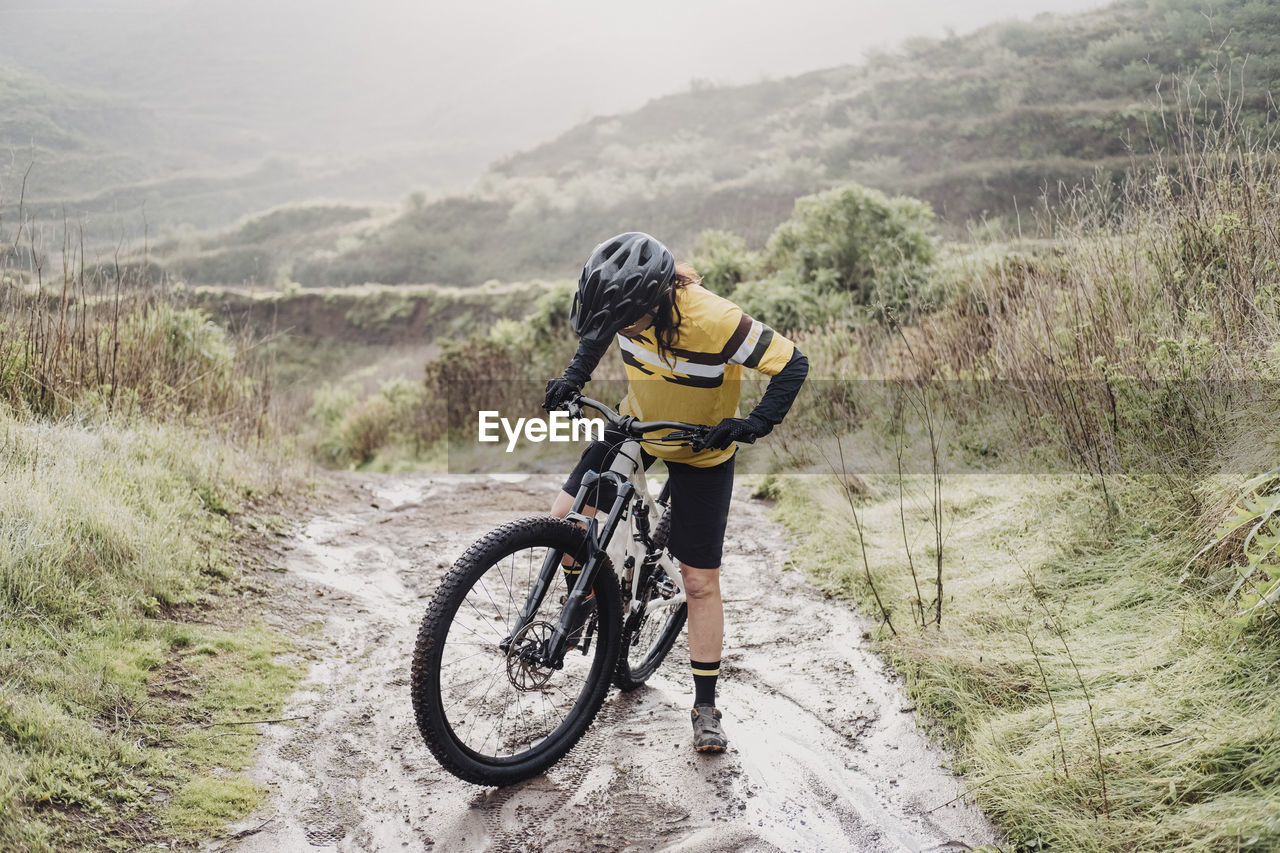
(635, 548)
(628, 477)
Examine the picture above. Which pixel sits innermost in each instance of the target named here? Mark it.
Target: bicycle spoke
(473, 633)
(519, 709)
(479, 702)
(467, 695)
(460, 660)
(481, 615)
(506, 620)
(496, 608)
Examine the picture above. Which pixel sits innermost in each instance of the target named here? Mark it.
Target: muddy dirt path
(824, 753)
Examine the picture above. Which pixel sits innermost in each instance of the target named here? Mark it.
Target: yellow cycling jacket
(700, 381)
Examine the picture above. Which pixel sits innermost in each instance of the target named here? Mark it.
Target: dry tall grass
(92, 338)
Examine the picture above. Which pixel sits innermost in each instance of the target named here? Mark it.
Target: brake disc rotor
(523, 668)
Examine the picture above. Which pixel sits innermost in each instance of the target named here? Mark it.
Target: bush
(781, 303)
(872, 250)
(724, 261)
(366, 427)
(550, 315)
(131, 352)
(354, 430)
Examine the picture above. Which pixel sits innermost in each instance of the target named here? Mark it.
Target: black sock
(571, 574)
(704, 681)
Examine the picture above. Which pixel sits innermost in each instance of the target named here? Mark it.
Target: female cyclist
(684, 349)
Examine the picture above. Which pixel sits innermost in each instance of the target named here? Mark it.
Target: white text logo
(558, 426)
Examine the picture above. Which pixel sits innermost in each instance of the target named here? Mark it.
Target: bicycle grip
(698, 443)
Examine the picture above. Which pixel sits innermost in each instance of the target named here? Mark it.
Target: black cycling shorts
(699, 500)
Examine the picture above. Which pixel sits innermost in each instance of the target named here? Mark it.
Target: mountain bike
(532, 623)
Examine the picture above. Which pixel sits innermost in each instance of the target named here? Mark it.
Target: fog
(462, 83)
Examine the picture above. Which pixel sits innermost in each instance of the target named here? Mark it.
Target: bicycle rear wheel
(487, 715)
(649, 633)
(647, 638)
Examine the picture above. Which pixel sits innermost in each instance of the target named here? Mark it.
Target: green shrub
(783, 304)
(128, 353)
(551, 313)
(328, 407)
(366, 427)
(724, 261)
(351, 430)
(872, 250)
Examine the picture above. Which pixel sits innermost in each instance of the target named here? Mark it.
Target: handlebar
(691, 433)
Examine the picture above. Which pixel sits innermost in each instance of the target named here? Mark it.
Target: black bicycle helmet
(620, 283)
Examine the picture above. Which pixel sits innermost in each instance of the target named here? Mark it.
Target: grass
(120, 664)
(1060, 616)
(1107, 655)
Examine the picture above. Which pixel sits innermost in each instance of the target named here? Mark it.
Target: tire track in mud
(824, 752)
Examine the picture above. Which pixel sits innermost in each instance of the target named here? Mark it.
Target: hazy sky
(334, 77)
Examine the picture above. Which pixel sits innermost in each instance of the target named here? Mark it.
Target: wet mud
(825, 753)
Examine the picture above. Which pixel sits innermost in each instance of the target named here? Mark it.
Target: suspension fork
(597, 537)
(551, 565)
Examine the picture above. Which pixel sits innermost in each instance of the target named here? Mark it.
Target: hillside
(978, 125)
(116, 162)
(74, 140)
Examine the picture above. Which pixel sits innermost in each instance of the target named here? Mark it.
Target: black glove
(577, 374)
(729, 430)
(559, 392)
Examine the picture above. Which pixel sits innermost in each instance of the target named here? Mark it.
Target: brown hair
(666, 319)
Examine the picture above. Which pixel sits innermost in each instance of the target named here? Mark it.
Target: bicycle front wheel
(487, 714)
